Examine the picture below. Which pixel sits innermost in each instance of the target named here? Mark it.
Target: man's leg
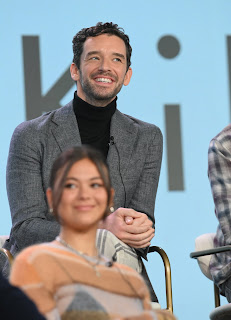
(226, 289)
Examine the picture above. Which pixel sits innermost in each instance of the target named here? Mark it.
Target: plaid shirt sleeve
(219, 172)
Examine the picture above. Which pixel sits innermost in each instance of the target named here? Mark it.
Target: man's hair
(100, 28)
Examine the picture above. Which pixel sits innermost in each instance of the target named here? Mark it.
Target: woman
(67, 278)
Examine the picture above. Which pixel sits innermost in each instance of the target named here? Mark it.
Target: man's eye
(94, 58)
(117, 59)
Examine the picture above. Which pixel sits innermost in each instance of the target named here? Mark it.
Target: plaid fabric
(113, 248)
(219, 172)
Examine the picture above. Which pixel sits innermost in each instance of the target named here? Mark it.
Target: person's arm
(219, 172)
(25, 275)
(138, 230)
(143, 199)
(23, 307)
(32, 223)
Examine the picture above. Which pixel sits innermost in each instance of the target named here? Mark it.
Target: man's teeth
(104, 80)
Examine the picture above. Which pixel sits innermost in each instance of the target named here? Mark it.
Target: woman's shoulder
(36, 250)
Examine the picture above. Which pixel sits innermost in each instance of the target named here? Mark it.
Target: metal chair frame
(168, 277)
(8, 255)
(197, 254)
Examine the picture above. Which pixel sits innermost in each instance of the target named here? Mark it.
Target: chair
(204, 248)
(5, 251)
(168, 280)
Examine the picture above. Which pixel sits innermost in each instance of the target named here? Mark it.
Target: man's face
(102, 72)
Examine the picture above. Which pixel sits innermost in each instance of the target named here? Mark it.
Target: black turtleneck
(94, 123)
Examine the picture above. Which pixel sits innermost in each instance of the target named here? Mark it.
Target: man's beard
(98, 96)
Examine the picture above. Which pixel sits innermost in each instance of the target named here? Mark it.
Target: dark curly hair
(100, 28)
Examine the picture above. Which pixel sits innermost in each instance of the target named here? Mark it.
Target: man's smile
(105, 80)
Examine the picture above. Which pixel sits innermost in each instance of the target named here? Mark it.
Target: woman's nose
(84, 192)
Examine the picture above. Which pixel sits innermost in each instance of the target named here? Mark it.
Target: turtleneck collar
(94, 122)
(91, 113)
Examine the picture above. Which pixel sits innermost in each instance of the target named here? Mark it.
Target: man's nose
(105, 64)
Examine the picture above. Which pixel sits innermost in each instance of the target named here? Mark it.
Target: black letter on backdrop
(36, 103)
(169, 48)
(174, 152)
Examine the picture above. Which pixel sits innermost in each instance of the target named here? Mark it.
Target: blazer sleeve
(32, 223)
(144, 196)
(143, 199)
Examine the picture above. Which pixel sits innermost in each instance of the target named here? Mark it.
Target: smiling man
(102, 69)
(101, 66)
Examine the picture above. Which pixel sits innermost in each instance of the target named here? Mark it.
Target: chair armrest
(9, 256)
(2, 240)
(168, 281)
(197, 254)
(205, 241)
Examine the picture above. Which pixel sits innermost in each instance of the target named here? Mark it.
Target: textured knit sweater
(66, 286)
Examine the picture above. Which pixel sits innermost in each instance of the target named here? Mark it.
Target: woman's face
(84, 197)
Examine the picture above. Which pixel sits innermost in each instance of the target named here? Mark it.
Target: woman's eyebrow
(76, 179)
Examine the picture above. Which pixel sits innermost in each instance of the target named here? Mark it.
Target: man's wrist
(103, 224)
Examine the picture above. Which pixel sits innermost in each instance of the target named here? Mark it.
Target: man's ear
(49, 198)
(74, 72)
(128, 76)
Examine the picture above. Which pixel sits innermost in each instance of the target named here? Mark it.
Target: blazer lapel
(125, 133)
(66, 133)
(65, 130)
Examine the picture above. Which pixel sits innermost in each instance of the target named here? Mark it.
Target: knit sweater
(66, 286)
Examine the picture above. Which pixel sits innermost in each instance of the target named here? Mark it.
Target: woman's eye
(96, 185)
(70, 186)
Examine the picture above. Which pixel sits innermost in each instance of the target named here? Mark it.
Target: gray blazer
(134, 161)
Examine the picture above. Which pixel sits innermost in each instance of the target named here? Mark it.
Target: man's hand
(132, 227)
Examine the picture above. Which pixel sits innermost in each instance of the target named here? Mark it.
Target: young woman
(68, 278)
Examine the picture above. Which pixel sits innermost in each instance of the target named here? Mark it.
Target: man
(101, 66)
(219, 171)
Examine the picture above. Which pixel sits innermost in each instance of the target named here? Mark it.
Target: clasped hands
(132, 227)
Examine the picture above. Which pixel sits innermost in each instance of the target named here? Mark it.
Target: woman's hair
(63, 164)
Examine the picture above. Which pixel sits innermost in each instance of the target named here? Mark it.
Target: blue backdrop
(196, 79)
